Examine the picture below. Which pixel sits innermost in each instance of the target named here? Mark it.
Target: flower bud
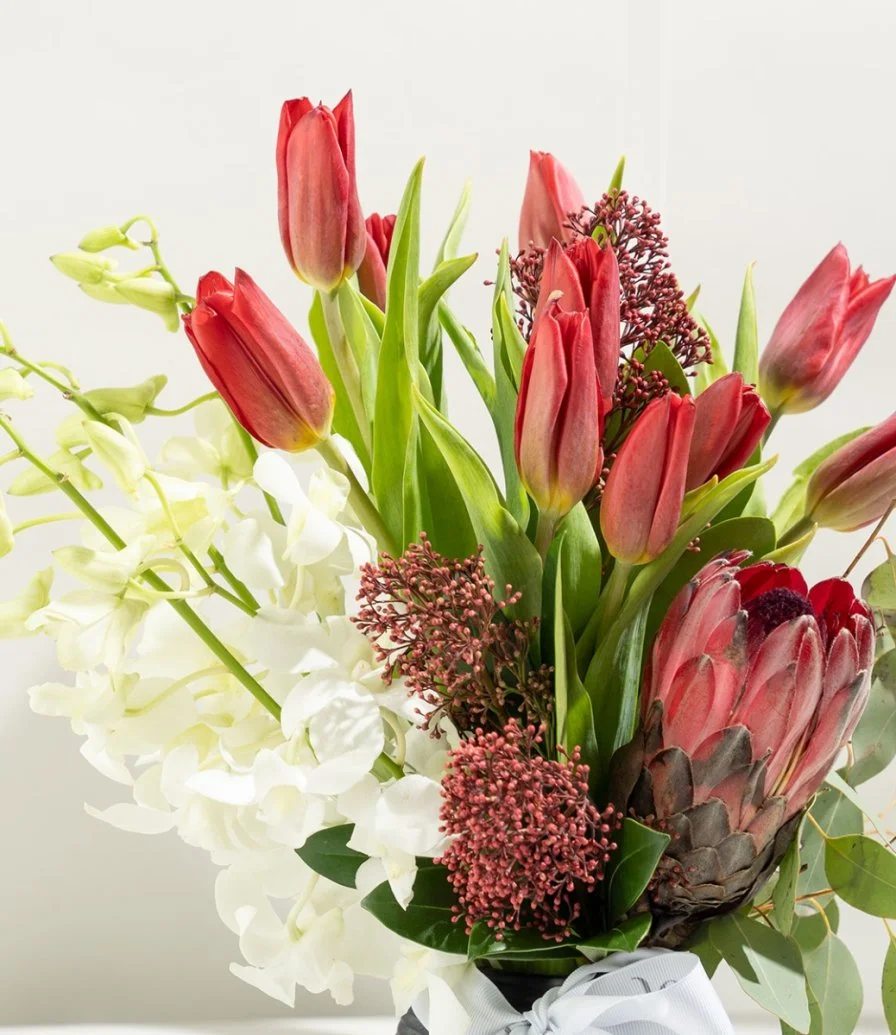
(372, 271)
(729, 423)
(13, 385)
(156, 296)
(856, 484)
(321, 225)
(552, 195)
(267, 375)
(80, 266)
(559, 416)
(641, 504)
(101, 238)
(820, 333)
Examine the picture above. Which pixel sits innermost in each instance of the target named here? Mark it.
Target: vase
(520, 990)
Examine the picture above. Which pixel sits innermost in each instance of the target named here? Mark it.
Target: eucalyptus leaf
(836, 816)
(768, 966)
(632, 866)
(328, 854)
(874, 740)
(863, 873)
(810, 928)
(784, 896)
(888, 985)
(835, 987)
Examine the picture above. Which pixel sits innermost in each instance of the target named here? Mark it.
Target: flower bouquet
(588, 732)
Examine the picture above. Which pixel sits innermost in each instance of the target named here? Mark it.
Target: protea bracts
(754, 686)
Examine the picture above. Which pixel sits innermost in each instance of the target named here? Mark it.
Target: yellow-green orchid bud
(15, 613)
(156, 296)
(85, 268)
(13, 385)
(101, 238)
(130, 403)
(103, 292)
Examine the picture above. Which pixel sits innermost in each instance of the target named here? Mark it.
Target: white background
(763, 131)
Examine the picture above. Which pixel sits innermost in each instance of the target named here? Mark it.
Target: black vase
(520, 990)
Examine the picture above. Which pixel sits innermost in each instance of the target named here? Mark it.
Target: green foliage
(328, 854)
(784, 895)
(837, 816)
(874, 740)
(888, 985)
(862, 872)
(746, 342)
(662, 358)
(631, 866)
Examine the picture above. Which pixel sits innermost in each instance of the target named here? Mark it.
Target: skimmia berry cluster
(436, 623)
(528, 842)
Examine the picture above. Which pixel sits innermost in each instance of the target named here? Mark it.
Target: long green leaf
(450, 245)
(394, 422)
(746, 342)
(581, 567)
(510, 558)
(835, 987)
(363, 339)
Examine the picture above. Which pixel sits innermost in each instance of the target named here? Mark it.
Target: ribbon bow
(649, 992)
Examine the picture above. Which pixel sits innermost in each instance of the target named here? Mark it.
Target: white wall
(763, 130)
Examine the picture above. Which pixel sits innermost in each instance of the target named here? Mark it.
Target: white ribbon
(649, 992)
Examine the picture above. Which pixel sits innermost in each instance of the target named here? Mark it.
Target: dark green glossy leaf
(328, 854)
(768, 966)
(525, 945)
(631, 866)
(428, 918)
(624, 937)
(863, 873)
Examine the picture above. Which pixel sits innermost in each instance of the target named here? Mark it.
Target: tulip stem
(796, 530)
(150, 577)
(613, 595)
(776, 416)
(345, 361)
(544, 533)
(361, 503)
(867, 544)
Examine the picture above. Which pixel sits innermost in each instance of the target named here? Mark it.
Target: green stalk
(345, 361)
(544, 533)
(158, 411)
(776, 416)
(252, 452)
(796, 530)
(361, 503)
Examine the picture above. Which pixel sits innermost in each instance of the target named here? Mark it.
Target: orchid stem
(252, 452)
(154, 581)
(46, 519)
(158, 411)
(867, 544)
(361, 503)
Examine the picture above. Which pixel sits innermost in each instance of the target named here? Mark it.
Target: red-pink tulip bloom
(321, 225)
(641, 504)
(855, 485)
(729, 424)
(754, 649)
(267, 375)
(820, 333)
(552, 195)
(372, 271)
(559, 415)
(584, 276)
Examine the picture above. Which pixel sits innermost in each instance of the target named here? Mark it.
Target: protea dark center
(754, 685)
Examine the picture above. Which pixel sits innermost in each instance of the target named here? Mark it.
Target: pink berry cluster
(528, 844)
(436, 623)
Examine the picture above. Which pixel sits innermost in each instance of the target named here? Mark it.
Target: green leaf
(835, 987)
(746, 342)
(662, 358)
(526, 945)
(631, 866)
(810, 928)
(874, 740)
(428, 918)
(394, 425)
(510, 558)
(784, 896)
(130, 403)
(888, 985)
(509, 349)
(879, 588)
(707, 373)
(328, 854)
(863, 873)
(754, 533)
(768, 966)
(363, 339)
(451, 241)
(837, 817)
(471, 357)
(434, 287)
(618, 173)
(624, 937)
(444, 512)
(581, 567)
(344, 421)
(702, 947)
(836, 781)
(792, 553)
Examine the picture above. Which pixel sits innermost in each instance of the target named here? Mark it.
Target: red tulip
(755, 648)
(857, 483)
(265, 372)
(559, 416)
(587, 277)
(820, 333)
(729, 424)
(552, 195)
(321, 225)
(641, 504)
(372, 271)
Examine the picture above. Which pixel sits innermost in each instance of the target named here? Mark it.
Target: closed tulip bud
(728, 426)
(641, 504)
(372, 271)
(586, 276)
(820, 333)
(551, 197)
(559, 416)
(103, 237)
(856, 484)
(85, 268)
(267, 375)
(321, 225)
(754, 685)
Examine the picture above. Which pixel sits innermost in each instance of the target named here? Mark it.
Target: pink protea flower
(436, 623)
(528, 842)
